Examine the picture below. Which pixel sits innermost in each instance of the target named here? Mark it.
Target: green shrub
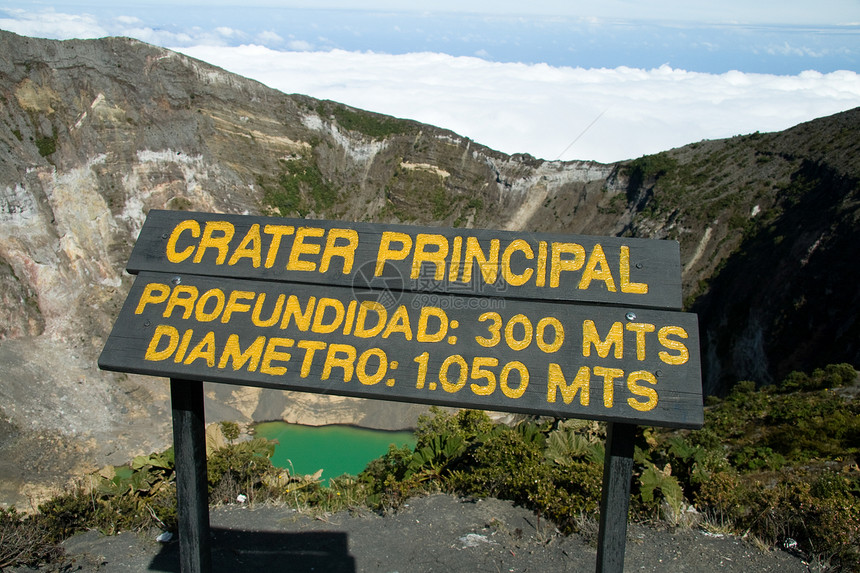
(468, 424)
(230, 431)
(822, 513)
(653, 480)
(831, 376)
(239, 468)
(649, 168)
(386, 478)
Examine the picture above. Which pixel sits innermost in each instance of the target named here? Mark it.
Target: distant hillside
(95, 133)
(769, 227)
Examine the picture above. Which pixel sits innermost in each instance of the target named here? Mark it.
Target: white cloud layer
(50, 24)
(549, 112)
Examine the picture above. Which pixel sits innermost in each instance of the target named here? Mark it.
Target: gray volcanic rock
(95, 133)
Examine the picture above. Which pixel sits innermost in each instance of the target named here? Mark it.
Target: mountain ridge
(94, 133)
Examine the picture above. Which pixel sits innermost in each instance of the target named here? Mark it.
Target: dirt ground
(434, 533)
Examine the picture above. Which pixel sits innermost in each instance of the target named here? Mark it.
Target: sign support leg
(189, 444)
(615, 500)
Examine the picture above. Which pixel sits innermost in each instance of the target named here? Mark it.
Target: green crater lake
(335, 449)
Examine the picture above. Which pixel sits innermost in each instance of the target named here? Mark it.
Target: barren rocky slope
(95, 133)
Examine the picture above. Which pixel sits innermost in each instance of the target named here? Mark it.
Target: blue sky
(592, 80)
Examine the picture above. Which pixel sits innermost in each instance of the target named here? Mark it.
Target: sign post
(556, 325)
(615, 497)
(192, 491)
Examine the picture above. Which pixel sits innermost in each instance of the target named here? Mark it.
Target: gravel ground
(434, 533)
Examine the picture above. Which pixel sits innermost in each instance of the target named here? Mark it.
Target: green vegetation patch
(373, 125)
(298, 189)
(650, 168)
(415, 194)
(47, 145)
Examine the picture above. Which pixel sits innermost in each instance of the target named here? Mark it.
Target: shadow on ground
(234, 551)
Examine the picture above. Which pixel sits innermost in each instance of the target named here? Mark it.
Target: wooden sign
(558, 325)
(609, 270)
(557, 359)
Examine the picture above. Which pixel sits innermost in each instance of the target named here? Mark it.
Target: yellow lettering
(183, 346)
(524, 379)
(272, 353)
(663, 336)
(495, 329)
(626, 285)
(591, 337)
(526, 340)
(350, 316)
(200, 309)
(454, 268)
(277, 231)
(319, 325)
(592, 272)
(478, 372)
(205, 349)
(361, 330)
(233, 352)
(162, 331)
(509, 275)
(435, 256)
(149, 296)
(609, 376)
(345, 362)
(488, 263)
(233, 304)
(557, 264)
(310, 347)
(462, 367)
(258, 308)
(345, 252)
(643, 391)
(540, 335)
(640, 328)
(540, 280)
(172, 254)
(184, 296)
(386, 253)
(216, 235)
(361, 366)
(556, 381)
(399, 323)
(423, 320)
(300, 247)
(243, 252)
(293, 311)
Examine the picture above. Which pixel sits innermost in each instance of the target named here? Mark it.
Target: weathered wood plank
(608, 270)
(557, 359)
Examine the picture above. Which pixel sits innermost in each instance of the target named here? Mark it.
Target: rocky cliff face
(93, 134)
